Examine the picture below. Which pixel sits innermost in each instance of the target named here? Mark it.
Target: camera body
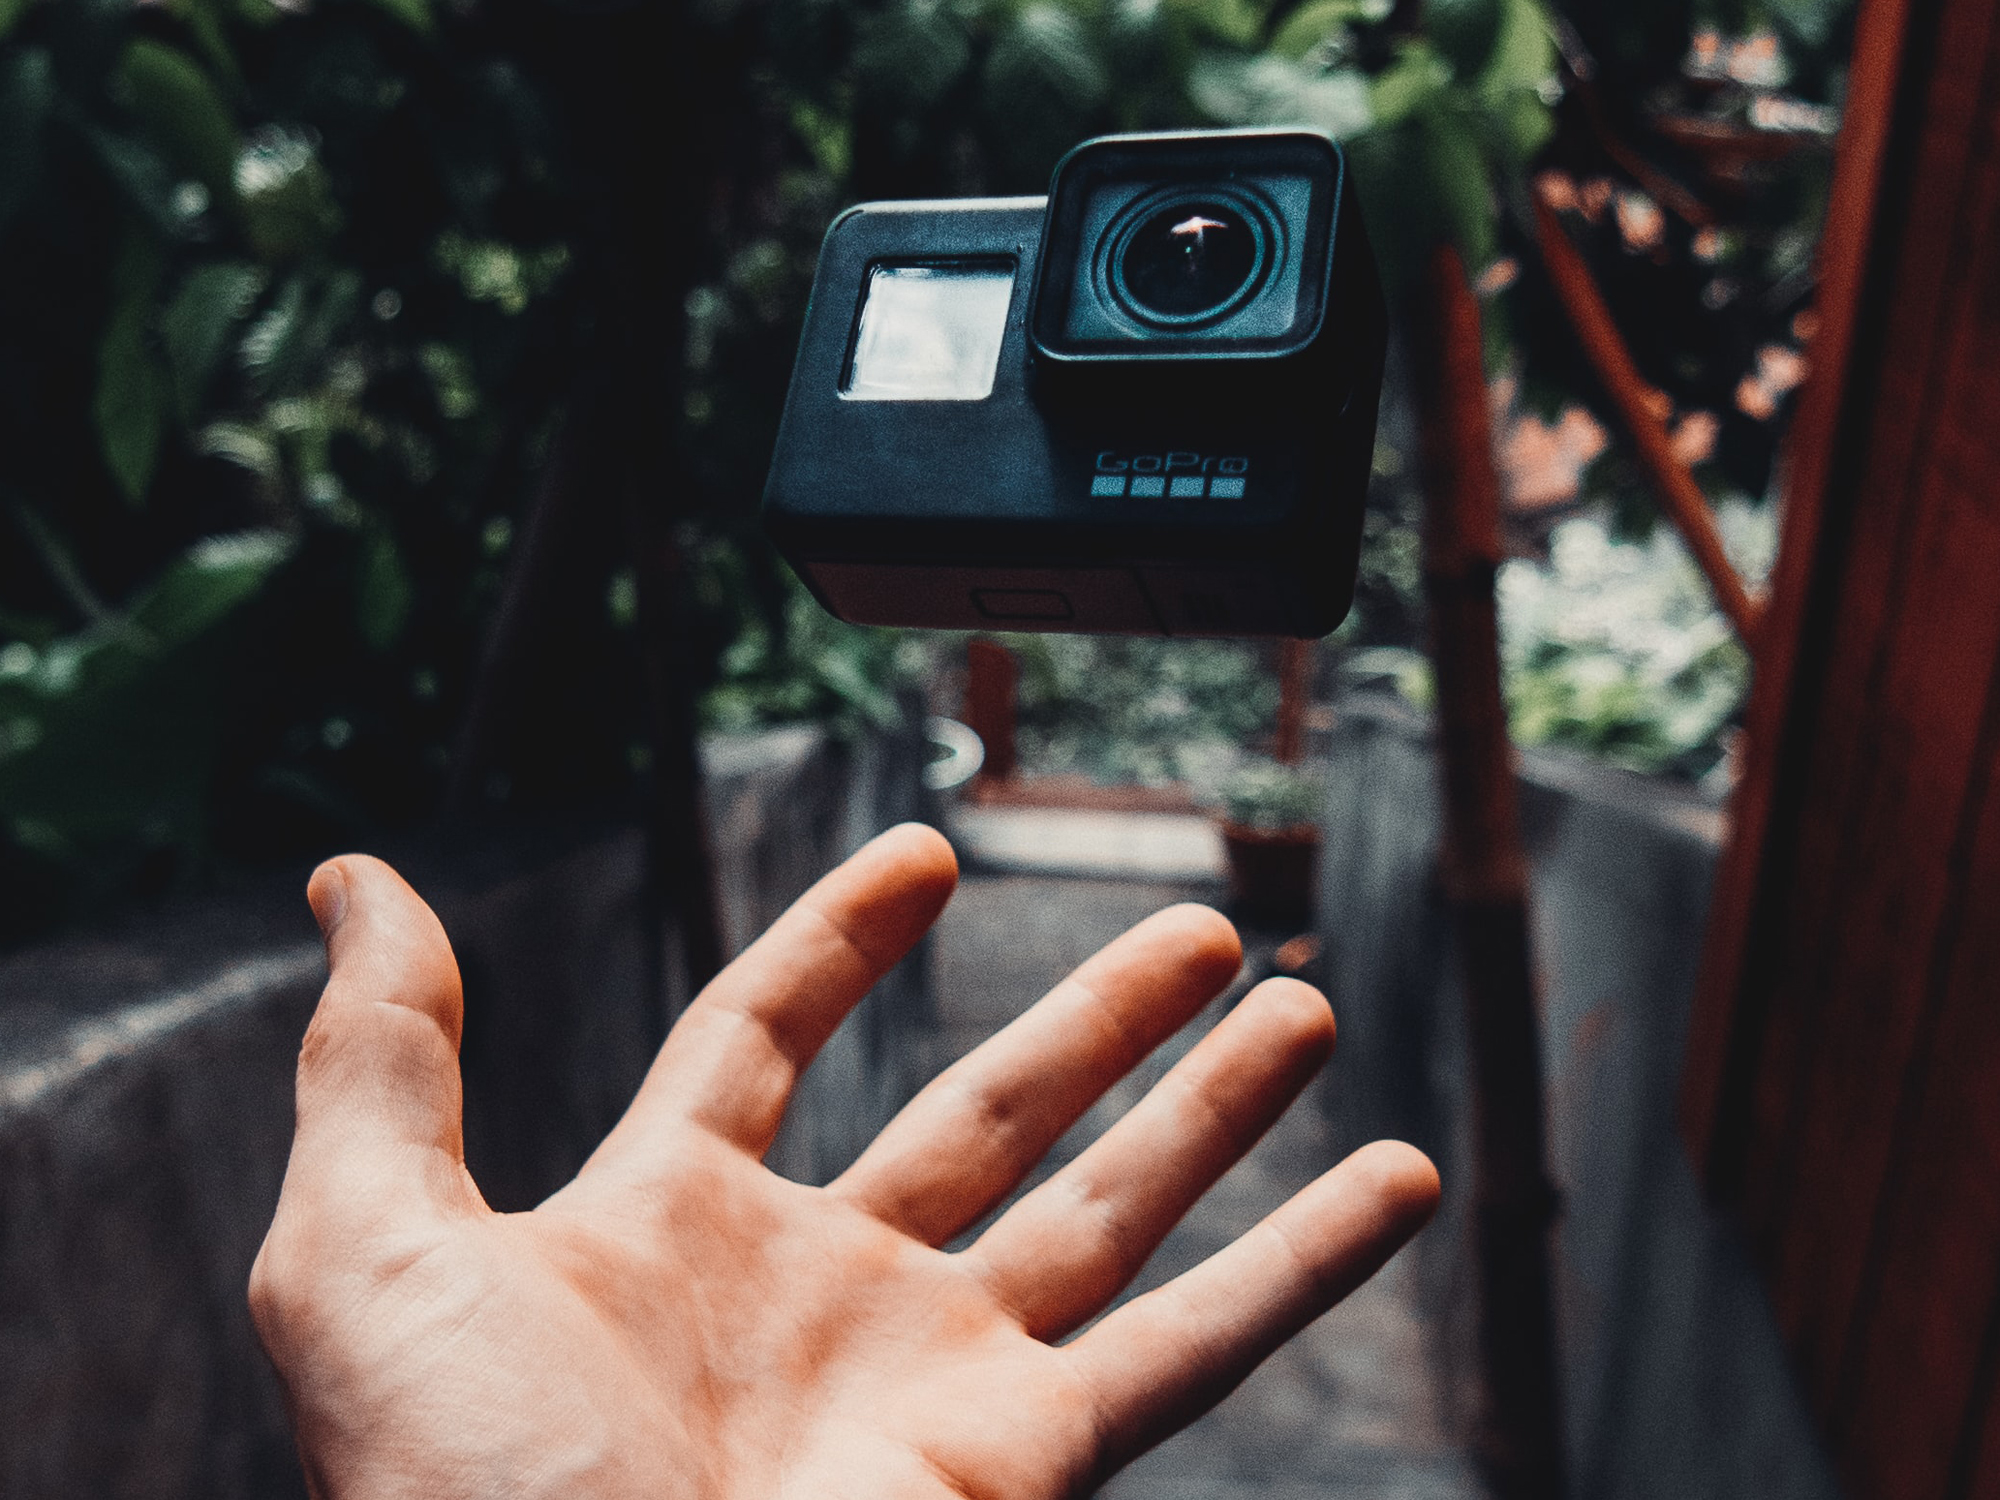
(1143, 405)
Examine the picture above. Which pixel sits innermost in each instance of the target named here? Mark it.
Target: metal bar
(1679, 495)
(1519, 1443)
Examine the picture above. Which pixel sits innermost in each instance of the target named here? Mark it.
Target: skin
(679, 1321)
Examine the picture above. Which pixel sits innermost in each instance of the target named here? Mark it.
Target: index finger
(731, 1061)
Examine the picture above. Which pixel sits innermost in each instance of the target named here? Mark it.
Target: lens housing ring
(1108, 268)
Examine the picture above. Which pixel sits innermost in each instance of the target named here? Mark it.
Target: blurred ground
(1348, 1408)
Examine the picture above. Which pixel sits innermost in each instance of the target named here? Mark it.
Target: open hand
(679, 1321)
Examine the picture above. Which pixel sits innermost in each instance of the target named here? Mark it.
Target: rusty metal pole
(992, 677)
(1519, 1446)
(1294, 690)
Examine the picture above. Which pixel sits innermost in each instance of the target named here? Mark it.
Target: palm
(678, 1320)
(865, 1362)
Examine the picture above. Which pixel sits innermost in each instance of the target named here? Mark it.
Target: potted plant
(1270, 829)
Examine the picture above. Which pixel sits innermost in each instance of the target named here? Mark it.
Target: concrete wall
(145, 1102)
(1674, 1381)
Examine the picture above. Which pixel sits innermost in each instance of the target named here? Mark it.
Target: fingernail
(326, 893)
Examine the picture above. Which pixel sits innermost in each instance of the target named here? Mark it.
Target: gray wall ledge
(146, 1100)
(1675, 1384)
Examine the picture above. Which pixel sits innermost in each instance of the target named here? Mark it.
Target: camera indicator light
(1187, 487)
(1226, 488)
(1148, 487)
(1107, 484)
(930, 333)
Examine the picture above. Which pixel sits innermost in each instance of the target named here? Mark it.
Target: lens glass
(1188, 259)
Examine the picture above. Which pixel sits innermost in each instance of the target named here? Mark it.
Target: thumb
(379, 1099)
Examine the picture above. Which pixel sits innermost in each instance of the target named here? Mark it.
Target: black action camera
(1143, 405)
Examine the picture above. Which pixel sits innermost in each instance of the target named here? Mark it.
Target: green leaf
(205, 21)
(1318, 21)
(1520, 127)
(1272, 90)
(182, 114)
(197, 324)
(1457, 174)
(1045, 56)
(913, 53)
(208, 583)
(1236, 23)
(1424, 182)
(829, 137)
(1410, 84)
(1149, 52)
(415, 14)
(288, 342)
(1043, 87)
(58, 561)
(248, 448)
(130, 407)
(1463, 32)
(384, 592)
(27, 94)
(1810, 21)
(139, 172)
(110, 734)
(1524, 55)
(1518, 82)
(286, 200)
(11, 12)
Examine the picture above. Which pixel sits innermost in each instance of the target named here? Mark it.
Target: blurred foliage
(298, 296)
(1270, 796)
(1613, 646)
(286, 317)
(806, 665)
(1150, 711)
(1616, 648)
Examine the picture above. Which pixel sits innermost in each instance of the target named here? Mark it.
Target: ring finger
(1065, 1250)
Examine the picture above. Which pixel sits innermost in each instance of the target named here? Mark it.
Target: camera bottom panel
(1156, 600)
(1080, 599)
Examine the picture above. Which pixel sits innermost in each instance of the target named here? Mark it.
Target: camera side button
(1023, 604)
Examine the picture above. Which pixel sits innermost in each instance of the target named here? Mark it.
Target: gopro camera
(1142, 405)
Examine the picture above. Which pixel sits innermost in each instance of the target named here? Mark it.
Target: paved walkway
(1345, 1410)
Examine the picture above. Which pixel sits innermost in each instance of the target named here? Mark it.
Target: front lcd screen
(930, 333)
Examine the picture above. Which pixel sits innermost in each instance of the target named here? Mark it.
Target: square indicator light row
(1183, 486)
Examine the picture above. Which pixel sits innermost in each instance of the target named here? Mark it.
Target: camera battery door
(938, 465)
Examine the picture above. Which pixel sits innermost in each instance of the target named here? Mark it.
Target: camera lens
(1188, 259)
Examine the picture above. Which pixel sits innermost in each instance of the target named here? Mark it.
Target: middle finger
(962, 1144)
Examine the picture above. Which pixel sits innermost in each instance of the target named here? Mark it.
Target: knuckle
(320, 1038)
(277, 1294)
(998, 1112)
